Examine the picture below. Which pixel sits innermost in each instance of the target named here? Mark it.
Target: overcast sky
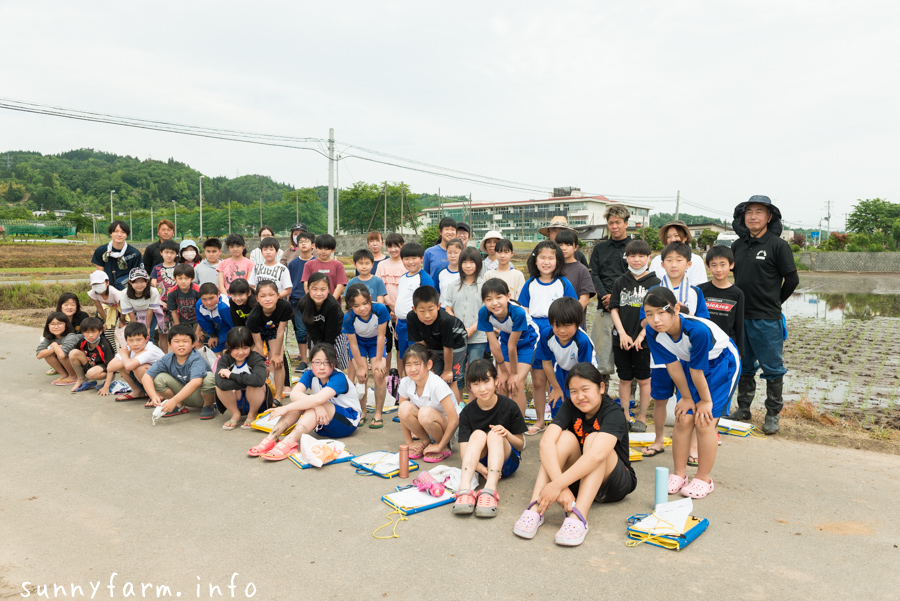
(721, 100)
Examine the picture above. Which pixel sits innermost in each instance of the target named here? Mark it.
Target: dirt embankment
(45, 255)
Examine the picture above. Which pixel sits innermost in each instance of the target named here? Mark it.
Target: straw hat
(558, 222)
(685, 231)
(491, 235)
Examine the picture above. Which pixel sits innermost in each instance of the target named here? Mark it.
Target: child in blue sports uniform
(213, 316)
(546, 265)
(518, 338)
(563, 345)
(704, 364)
(415, 277)
(323, 401)
(366, 327)
(676, 260)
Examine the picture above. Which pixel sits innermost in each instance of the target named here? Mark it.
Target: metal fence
(884, 262)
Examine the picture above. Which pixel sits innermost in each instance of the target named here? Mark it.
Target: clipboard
(634, 455)
(409, 500)
(344, 458)
(383, 464)
(694, 528)
(645, 439)
(734, 428)
(265, 424)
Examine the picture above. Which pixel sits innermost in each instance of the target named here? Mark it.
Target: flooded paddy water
(843, 346)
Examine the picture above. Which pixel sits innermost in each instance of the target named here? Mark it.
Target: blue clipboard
(409, 500)
(383, 464)
(695, 527)
(298, 461)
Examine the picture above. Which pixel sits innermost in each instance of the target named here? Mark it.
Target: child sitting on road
(323, 402)
(213, 316)
(366, 328)
(240, 369)
(704, 364)
(490, 440)
(59, 339)
(427, 408)
(181, 378)
(107, 301)
(132, 362)
(584, 459)
(91, 355)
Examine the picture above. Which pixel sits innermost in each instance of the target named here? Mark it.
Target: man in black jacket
(764, 270)
(608, 264)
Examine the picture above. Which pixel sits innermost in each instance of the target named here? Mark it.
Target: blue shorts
(541, 323)
(402, 340)
(368, 348)
(510, 465)
(721, 377)
(341, 425)
(525, 355)
(661, 385)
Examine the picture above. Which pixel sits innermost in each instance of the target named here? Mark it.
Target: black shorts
(437, 362)
(389, 338)
(631, 364)
(620, 484)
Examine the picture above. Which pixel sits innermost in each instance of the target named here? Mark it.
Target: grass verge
(35, 295)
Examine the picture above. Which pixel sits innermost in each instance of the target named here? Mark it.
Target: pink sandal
(280, 451)
(465, 502)
(528, 523)
(573, 531)
(486, 505)
(698, 489)
(676, 483)
(264, 447)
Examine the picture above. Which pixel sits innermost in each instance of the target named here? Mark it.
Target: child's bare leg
(590, 484)
(681, 443)
(287, 420)
(114, 366)
(163, 343)
(409, 422)
(498, 450)
(400, 367)
(644, 402)
(433, 423)
(54, 362)
(78, 360)
(256, 395)
(135, 388)
(66, 364)
(380, 393)
(568, 451)
(625, 397)
(230, 399)
(659, 423)
(279, 383)
(307, 423)
(708, 447)
(694, 453)
(476, 448)
(539, 390)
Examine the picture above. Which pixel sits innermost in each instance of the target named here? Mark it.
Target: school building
(519, 220)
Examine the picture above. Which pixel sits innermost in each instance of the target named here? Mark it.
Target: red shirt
(333, 269)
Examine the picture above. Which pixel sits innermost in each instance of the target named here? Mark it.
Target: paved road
(90, 488)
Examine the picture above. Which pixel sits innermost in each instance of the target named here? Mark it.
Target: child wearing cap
(107, 301)
(489, 254)
(141, 301)
(463, 232)
(188, 253)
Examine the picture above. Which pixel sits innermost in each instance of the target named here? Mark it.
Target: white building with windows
(519, 220)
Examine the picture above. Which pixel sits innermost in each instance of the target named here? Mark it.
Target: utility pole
(385, 207)
(337, 200)
(330, 181)
(201, 206)
(229, 215)
(260, 210)
(828, 218)
(151, 220)
(111, 218)
(440, 205)
(400, 227)
(296, 208)
(677, 204)
(131, 224)
(174, 204)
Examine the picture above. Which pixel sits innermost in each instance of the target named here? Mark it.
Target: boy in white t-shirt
(132, 362)
(271, 269)
(449, 275)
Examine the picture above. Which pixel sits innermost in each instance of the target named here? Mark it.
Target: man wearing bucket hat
(556, 225)
(764, 270)
(678, 231)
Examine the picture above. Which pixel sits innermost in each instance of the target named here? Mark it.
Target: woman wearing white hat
(554, 227)
(678, 231)
(487, 250)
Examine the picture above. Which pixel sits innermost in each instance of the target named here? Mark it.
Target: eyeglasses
(321, 363)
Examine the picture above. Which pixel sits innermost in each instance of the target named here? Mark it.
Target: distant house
(697, 228)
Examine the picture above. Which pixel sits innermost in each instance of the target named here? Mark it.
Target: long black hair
(587, 371)
(560, 268)
(61, 317)
(470, 253)
(307, 306)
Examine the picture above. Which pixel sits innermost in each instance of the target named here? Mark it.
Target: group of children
(222, 327)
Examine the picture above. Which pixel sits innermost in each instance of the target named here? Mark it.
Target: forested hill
(82, 179)
(658, 220)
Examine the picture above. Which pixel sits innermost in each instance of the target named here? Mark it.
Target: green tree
(707, 237)
(871, 215)
(650, 235)
(430, 236)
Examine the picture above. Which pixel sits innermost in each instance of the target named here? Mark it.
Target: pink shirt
(333, 269)
(235, 269)
(390, 273)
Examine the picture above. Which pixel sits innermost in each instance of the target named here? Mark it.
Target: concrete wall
(885, 262)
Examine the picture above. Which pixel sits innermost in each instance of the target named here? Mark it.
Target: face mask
(637, 271)
(296, 240)
(99, 288)
(188, 255)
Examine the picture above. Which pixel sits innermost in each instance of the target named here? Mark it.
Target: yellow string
(649, 537)
(394, 534)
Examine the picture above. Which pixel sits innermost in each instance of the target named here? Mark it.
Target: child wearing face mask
(107, 302)
(188, 253)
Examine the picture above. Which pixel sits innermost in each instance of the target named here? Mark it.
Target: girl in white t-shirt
(141, 300)
(108, 301)
(323, 401)
(430, 413)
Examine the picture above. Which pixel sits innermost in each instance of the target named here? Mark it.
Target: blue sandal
(87, 385)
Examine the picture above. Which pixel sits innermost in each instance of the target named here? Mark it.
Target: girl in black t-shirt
(267, 323)
(491, 439)
(321, 314)
(241, 301)
(584, 458)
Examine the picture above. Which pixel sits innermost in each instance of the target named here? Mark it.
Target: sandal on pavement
(280, 451)
(698, 489)
(676, 483)
(230, 425)
(439, 457)
(247, 425)
(534, 430)
(465, 502)
(573, 531)
(264, 447)
(148, 405)
(528, 523)
(176, 411)
(639, 426)
(51, 372)
(692, 461)
(376, 424)
(416, 454)
(87, 385)
(650, 452)
(129, 397)
(486, 504)
(63, 381)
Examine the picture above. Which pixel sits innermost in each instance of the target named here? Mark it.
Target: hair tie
(666, 308)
